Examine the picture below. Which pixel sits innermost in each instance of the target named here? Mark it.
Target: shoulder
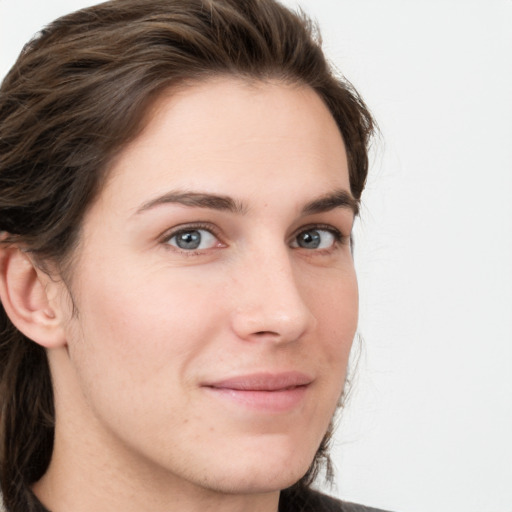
(330, 504)
(314, 501)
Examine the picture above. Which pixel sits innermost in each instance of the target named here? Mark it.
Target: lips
(272, 392)
(263, 382)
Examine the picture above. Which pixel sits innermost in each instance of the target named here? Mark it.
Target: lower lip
(271, 401)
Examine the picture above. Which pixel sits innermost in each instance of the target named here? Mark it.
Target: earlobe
(26, 293)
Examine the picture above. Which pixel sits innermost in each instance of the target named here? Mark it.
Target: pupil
(188, 240)
(309, 239)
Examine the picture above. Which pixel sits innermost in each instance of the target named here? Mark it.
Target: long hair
(77, 95)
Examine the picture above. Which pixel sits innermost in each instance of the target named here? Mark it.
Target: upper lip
(263, 381)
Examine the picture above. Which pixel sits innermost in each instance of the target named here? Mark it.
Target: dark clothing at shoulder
(323, 503)
(307, 500)
(344, 506)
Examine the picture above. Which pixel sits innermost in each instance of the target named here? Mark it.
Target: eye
(315, 238)
(193, 239)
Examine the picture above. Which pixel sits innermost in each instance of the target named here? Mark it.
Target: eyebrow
(325, 203)
(198, 200)
(337, 199)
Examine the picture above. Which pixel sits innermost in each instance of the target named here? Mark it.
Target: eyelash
(339, 237)
(169, 235)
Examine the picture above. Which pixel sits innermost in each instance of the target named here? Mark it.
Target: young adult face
(216, 296)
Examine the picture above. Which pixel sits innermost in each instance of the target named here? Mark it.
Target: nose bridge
(268, 302)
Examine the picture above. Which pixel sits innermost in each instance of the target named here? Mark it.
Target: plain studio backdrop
(428, 424)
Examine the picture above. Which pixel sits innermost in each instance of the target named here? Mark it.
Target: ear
(28, 296)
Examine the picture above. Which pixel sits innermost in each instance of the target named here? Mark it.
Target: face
(215, 289)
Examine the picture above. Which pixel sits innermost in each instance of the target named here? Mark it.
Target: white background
(428, 426)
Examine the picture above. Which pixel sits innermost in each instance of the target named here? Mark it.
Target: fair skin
(216, 306)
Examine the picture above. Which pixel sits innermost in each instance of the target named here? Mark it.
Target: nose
(268, 303)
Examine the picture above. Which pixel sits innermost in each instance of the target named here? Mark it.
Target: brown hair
(75, 97)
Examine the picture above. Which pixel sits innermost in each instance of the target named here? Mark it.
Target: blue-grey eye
(314, 239)
(193, 239)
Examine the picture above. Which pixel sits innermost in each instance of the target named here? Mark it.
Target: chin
(263, 472)
(255, 483)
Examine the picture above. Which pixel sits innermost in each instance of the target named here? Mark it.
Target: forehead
(226, 133)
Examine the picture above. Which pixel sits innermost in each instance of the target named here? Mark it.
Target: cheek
(136, 329)
(335, 305)
(337, 314)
